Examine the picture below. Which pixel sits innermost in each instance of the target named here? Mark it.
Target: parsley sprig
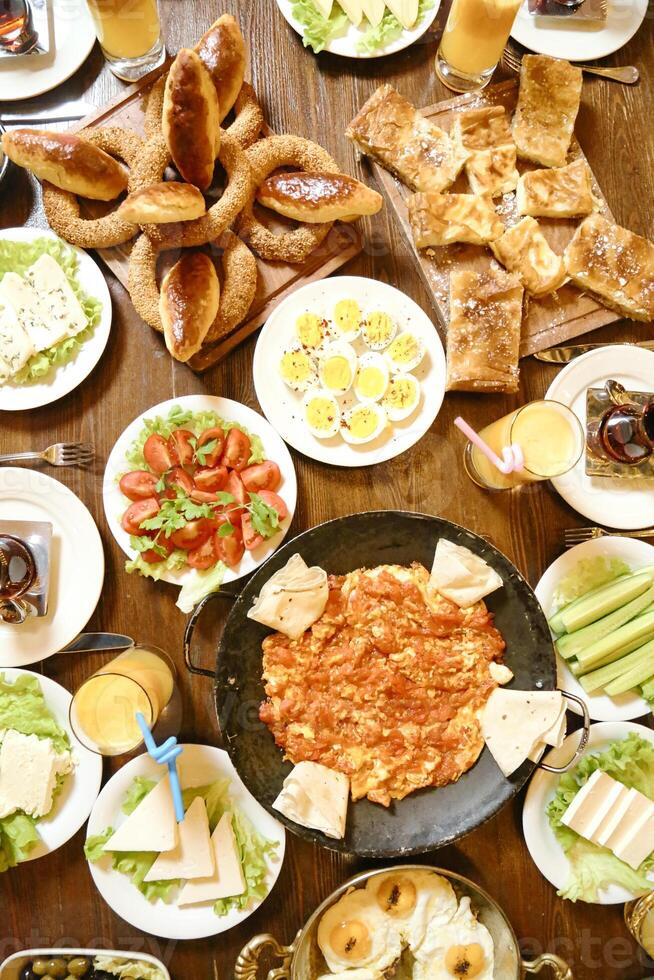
(200, 453)
(175, 513)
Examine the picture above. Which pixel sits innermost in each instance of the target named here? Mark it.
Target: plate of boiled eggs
(349, 371)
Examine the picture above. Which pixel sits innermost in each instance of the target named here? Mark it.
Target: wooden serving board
(549, 320)
(276, 279)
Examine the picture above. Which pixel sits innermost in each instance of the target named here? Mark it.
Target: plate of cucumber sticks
(599, 601)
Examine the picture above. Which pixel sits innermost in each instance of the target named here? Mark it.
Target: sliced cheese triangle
(193, 856)
(406, 11)
(374, 11)
(353, 10)
(228, 878)
(152, 826)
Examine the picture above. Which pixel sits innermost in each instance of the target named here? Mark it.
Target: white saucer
(624, 504)
(562, 39)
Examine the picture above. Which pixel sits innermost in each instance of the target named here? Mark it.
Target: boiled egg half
(298, 368)
(405, 352)
(321, 414)
(372, 378)
(378, 330)
(337, 367)
(401, 397)
(347, 319)
(363, 423)
(311, 330)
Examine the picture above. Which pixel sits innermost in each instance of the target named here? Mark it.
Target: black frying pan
(426, 819)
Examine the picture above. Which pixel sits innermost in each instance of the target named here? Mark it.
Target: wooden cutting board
(276, 279)
(549, 320)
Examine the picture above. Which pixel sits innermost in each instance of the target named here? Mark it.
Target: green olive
(48, 977)
(78, 967)
(57, 968)
(40, 967)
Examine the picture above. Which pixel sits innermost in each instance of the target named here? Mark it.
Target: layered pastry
(548, 103)
(485, 134)
(441, 219)
(524, 250)
(615, 265)
(483, 337)
(562, 192)
(392, 131)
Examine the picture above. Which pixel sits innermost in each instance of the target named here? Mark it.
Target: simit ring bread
(190, 119)
(248, 118)
(317, 197)
(188, 304)
(162, 203)
(222, 50)
(268, 155)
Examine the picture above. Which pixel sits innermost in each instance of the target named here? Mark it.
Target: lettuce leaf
(388, 30)
(319, 30)
(588, 574)
(18, 836)
(176, 559)
(631, 762)
(128, 969)
(18, 257)
(200, 584)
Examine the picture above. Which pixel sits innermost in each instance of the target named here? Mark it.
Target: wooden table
(53, 901)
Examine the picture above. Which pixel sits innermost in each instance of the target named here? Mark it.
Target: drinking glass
(551, 438)
(17, 575)
(473, 40)
(129, 32)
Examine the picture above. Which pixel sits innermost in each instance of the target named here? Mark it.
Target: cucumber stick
(556, 621)
(599, 678)
(616, 654)
(614, 597)
(637, 675)
(572, 644)
(641, 628)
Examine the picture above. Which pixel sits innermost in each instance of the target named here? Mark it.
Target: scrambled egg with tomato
(386, 686)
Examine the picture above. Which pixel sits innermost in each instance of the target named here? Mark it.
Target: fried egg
(413, 899)
(337, 367)
(347, 319)
(363, 974)
(405, 353)
(355, 933)
(298, 368)
(321, 413)
(378, 330)
(311, 330)
(363, 423)
(372, 378)
(402, 397)
(462, 947)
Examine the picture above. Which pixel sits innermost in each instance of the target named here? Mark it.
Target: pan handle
(247, 964)
(190, 630)
(560, 968)
(583, 740)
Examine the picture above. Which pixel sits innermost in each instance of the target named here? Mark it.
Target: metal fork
(61, 454)
(577, 535)
(627, 74)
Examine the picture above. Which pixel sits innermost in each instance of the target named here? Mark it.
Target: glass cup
(129, 32)
(550, 435)
(103, 709)
(475, 35)
(17, 576)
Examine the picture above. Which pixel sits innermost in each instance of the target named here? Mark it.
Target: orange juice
(125, 28)
(476, 32)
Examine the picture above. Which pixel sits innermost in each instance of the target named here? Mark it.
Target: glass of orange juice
(103, 710)
(551, 438)
(129, 32)
(473, 40)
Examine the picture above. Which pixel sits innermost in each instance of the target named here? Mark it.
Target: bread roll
(67, 161)
(318, 197)
(222, 50)
(161, 203)
(188, 303)
(190, 119)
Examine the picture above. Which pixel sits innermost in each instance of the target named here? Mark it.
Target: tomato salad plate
(198, 491)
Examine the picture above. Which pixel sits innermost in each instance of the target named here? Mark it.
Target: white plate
(115, 503)
(283, 407)
(346, 43)
(562, 39)
(74, 37)
(11, 968)
(628, 503)
(545, 850)
(61, 380)
(76, 570)
(81, 787)
(636, 554)
(198, 766)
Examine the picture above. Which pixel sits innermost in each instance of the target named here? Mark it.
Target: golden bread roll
(318, 197)
(222, 50)
(162, 203)
(188, 304)
(67, 161)
(190, 119)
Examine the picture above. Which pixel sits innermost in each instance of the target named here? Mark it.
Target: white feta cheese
(29, 767)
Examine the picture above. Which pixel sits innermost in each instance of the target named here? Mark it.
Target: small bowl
(4, 159)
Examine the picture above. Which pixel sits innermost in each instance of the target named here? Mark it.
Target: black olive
(27, 974)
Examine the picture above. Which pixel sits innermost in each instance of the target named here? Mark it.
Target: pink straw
(513, 457)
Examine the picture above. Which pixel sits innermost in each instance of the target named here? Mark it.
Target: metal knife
(561, 355)
(95, 642)
(64, 112)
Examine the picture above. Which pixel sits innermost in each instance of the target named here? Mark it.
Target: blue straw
(167, 754)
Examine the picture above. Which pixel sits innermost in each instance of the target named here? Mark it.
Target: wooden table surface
(53, 901)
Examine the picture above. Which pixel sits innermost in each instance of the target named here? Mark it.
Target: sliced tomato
(136, 513)
(193, 534)
(211, 478)
(235, 487)
(251, 539)
(230, 548)
(138, 485)
(152, 556)
(203, 496)
(205, 555)
(237, 450)
(181, 450)
(274, 500)
(213, 455)
(178, 478)
(262, 476)
(157, 454)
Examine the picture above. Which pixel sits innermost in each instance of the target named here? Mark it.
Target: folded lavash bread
(293, 599)
(315, 796)
(517, 724)
(555, 736)
(462, 576)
